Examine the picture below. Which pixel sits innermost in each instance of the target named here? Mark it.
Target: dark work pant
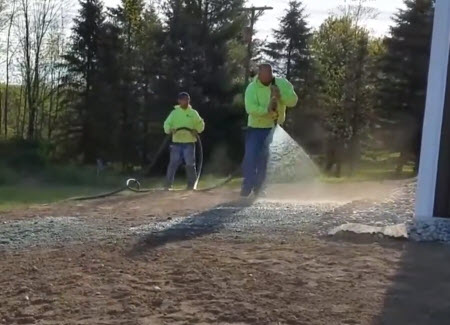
(180, 152)
(256, 156)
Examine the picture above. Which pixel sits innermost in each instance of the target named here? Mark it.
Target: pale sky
(317, 10)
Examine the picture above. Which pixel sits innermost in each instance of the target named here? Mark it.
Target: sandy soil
(219, 279)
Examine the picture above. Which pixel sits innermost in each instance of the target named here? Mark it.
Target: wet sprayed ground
(288, 209)
(209, 258)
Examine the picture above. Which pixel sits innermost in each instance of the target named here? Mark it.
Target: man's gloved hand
(274, 115)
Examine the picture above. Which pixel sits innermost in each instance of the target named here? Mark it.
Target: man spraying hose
(266, 99)
(183, 123)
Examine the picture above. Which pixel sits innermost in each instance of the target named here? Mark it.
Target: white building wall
(434, 109)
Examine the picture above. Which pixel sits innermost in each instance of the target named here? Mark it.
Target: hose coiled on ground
(133, 184)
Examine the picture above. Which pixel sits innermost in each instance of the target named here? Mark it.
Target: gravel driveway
(268, 218)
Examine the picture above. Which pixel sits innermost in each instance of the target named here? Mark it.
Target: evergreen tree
(108, 89)
(341, 50)
(197, 59)
(82, 67)
(128, 19)
(404, 75)
(289, 52)
(290, 56)
(149, 74)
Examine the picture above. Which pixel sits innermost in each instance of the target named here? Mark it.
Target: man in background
(266, 99)
(183, 123)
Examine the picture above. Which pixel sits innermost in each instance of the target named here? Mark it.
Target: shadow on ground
(191, 227)
(420, 294)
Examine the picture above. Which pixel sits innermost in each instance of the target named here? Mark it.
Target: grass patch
(59, 175)
(21, 188)
(20, 196)
(371, 172)
(29, 192)
(78, 176)
(54, 183)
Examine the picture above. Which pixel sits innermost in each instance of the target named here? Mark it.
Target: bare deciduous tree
(3, 17)
(9, 57)
(34, 23)
(358, 10)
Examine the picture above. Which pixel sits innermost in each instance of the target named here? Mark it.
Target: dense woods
(103, 90)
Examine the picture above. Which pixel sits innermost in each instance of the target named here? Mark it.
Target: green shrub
(23, 155)
(23, 161)
(8, 175)
(74, 175)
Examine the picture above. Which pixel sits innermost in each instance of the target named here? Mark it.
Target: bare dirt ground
(196, 258)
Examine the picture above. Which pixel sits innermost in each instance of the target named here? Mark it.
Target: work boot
(245, 192)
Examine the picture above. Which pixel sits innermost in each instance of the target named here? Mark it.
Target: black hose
(137, 185)
(222, 183)
(98, 196)
(160, 150)
(200, 163)
(129, 181)
(158, 153)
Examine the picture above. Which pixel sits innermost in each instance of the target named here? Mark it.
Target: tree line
(103, 90)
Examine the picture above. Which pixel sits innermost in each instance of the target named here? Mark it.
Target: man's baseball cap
(183, 95)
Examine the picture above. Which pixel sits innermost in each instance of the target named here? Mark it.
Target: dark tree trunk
(19, 114)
